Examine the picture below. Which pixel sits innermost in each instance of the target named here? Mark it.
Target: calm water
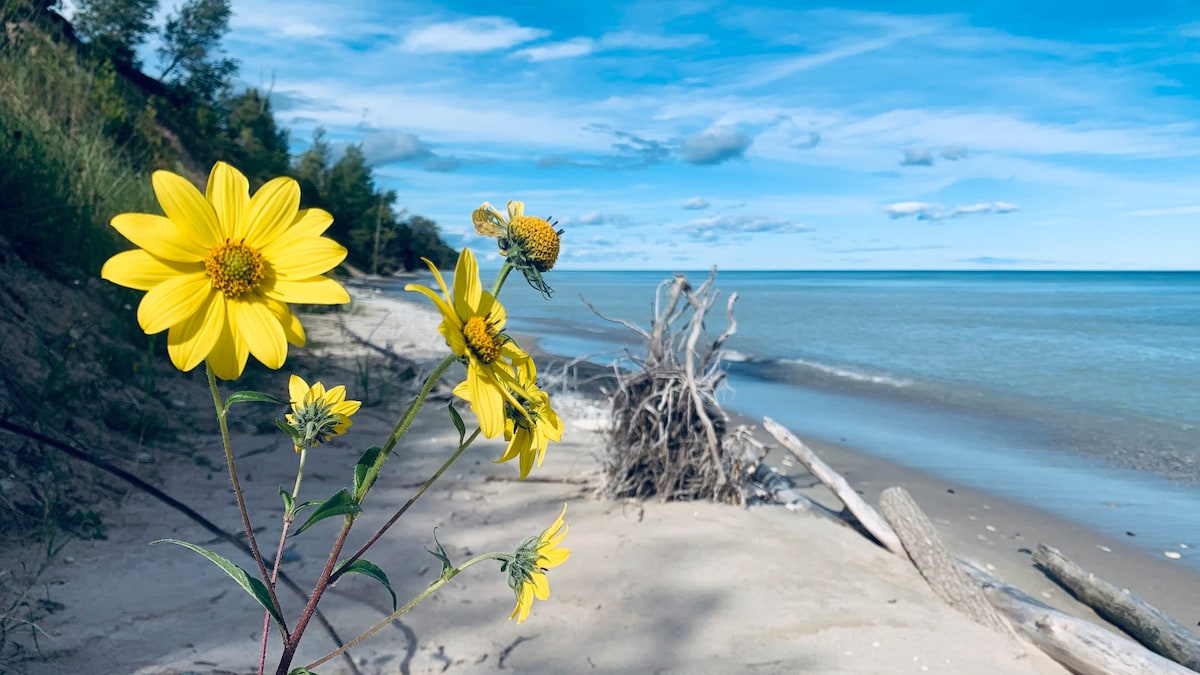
(1078, 392)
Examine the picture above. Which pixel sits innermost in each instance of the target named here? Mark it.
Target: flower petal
(297, 388)
(173, 301)
(516, 209)
(228, 357)
(301, 258)
(187, 208)
(272, 209)
(229, 193)
(258, 328)
(139, 270)
(486, 401)
(189, 342)
(308, 223)
(311, 291)
(290, 322)
(541, 587)
(467, 288)
(346, 408)
(159, 236)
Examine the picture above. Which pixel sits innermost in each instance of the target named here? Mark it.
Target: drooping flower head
(529, 428)
(318, 415)
(220, 268)
(531, 243)
(473, 324)
(527, 570)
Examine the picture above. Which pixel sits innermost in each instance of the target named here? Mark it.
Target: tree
(115, 27)
(191, 49)
(255, 144)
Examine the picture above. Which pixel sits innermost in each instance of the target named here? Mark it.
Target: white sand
(665, 588)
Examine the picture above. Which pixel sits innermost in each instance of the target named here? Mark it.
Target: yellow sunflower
(531, 243)
(220, 268)
(530, 428)
(318, 415)
(472, 323)
(527, 571)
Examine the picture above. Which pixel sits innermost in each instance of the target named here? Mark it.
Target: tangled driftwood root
(668, 433)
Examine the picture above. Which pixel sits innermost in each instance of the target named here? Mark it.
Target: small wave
(849, 374)
(734, 356)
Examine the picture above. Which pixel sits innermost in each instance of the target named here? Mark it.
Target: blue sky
(678, 135)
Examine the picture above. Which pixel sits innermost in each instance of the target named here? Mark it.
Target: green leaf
(252, 397)
(440, 554)
(458, 422)
(362, 468)
(369, 569)
(340, 504)
(301, 671)
(289, 504)
(289, 430)
(256, 589)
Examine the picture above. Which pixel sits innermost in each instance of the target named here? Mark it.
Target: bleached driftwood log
(1082, 647)
(867, 516)
(1142, 621)
(935, 562)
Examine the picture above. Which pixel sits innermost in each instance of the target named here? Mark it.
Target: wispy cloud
(390, 147)
(916, 157)
(477, 34)
(928, 211)
(622, 40)
(714, 145)
(716, 227)
(696, 204)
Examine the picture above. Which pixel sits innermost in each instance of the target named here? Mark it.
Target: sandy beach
(649, 587)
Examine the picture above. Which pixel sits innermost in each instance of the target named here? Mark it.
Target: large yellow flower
(318, 414)
(527, 571)
(530, 428)
(472, 323)
(221, 267)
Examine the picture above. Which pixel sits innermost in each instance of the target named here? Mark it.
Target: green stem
(237, 488)
(402, 425)
(299, 477)
(447, 575)
(407, 505)
(501, 277)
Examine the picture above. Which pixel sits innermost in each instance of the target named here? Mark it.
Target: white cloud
(930, 211)
(478, 34)
(385, 147)
(714, 145)
(568, 49)
(696, 204)
(715, 227)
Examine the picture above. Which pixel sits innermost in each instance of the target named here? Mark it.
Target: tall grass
(62, 174)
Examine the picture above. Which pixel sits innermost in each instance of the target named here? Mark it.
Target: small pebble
(991, 528)
(1104, 548)
(875, 643)
(1183, 546)
(1129, 534)
(1173, 555)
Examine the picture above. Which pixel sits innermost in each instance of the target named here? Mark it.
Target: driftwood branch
(1082, 647)
(1142, 621)
(935, 562)
(867, 516)
(667, 436)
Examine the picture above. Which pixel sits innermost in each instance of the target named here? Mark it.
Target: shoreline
(997, 532)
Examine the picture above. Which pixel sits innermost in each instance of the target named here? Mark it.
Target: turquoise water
(1078, 392)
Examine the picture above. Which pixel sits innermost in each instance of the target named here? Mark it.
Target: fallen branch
(867, 516)
(935, 562)
(1082, 647)
(1144, 622)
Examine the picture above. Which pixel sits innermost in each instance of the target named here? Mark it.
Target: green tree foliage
(115, 27)
(365, 220)
(254, 143)
(191, 52)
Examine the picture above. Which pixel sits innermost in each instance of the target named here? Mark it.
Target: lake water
(1077, 392)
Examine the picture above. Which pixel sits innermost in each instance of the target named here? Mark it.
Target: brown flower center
(483, 339)
(234, 268)
(537, 238)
